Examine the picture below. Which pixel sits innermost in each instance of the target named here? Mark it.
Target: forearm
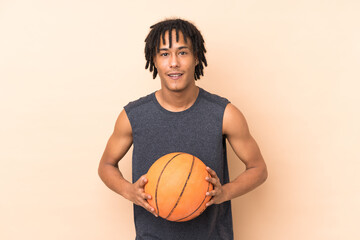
(245, 182)
(113, 179)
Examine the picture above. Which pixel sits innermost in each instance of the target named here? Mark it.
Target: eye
(182, 53)
(164, 54)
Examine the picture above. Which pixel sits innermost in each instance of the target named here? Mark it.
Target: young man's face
(175, 65)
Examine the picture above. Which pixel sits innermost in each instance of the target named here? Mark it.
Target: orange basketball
(178, 187)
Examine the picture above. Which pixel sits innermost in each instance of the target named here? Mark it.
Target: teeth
(174, 75)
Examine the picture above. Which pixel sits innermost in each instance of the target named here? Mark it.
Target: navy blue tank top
(197, 131)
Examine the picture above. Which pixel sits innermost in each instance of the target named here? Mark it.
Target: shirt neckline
(180, 112)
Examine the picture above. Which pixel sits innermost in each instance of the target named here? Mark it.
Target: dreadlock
(158, 30)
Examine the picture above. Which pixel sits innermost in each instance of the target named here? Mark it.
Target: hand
(218, 195)
(138, 195)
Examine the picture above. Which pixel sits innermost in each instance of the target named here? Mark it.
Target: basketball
(177, 184)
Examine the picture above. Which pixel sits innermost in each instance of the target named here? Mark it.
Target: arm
(116, 148)
(237, 132)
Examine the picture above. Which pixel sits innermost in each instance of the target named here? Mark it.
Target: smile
(175, 75)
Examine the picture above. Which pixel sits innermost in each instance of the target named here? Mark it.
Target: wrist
(125, 189)
(226, 188)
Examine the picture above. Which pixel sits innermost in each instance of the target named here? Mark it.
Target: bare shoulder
(122, 125)
(119, 141)
(234, 122)
(237, 132)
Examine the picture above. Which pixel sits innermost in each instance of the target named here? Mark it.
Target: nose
(174, 61)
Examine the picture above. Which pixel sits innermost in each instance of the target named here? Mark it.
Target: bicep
(237, 132)
(119, 142)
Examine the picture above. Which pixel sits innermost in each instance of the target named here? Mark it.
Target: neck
(177, 101)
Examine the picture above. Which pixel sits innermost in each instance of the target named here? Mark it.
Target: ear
(196, 61)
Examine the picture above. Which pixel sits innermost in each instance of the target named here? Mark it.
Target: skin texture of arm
(116, 148)
(245, 147)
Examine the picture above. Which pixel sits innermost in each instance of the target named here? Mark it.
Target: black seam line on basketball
(182, 191)
(197, 207)
(158, 181)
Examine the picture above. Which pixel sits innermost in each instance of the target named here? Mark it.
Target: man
(181, 117)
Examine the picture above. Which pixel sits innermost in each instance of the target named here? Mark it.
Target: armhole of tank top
(128, 108)
(223, 115)
(127, 112)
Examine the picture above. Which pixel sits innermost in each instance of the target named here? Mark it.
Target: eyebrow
(179, 48)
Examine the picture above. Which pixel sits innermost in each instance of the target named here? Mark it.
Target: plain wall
(67, 68)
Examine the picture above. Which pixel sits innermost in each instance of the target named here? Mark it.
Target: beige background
(67, 68)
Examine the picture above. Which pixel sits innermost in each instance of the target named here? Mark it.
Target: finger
(212, 172)
(211, 193)
(145, 196)
(142, 181)
(142, 196)
(209, 203)
(214, 181)
(142, 200)
(149, 208)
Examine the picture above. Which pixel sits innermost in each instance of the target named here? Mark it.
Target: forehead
(174, 40)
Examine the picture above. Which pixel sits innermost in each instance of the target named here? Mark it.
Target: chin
(176, 85)
(175, 89)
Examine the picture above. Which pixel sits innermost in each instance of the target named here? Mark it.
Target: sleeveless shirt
(197, 131)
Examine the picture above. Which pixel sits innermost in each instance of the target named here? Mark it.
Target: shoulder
(234, 121)
(122, 125)
(214, 98)
(138, 103)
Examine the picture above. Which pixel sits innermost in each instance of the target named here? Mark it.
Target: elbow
(105, 168)
(264, 174)
(99, 171)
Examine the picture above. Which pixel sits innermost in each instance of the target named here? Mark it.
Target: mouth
(175, 76)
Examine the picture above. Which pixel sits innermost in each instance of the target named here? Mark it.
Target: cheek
(163, 67)
(156, 62)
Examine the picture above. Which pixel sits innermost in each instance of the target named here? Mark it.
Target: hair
(158, 30)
